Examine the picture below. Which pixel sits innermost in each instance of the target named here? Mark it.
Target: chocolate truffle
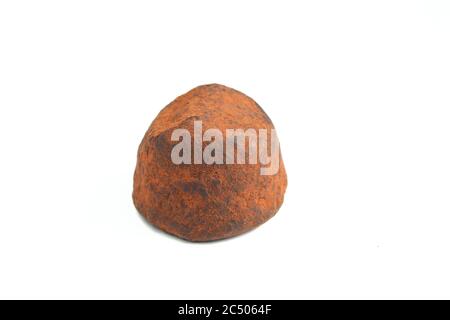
(208, 188)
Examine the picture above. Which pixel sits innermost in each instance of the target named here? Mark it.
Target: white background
(359, 92)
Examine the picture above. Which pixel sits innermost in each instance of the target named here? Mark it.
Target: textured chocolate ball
(200, 201)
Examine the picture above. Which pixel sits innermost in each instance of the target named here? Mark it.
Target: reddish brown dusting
(205, 202)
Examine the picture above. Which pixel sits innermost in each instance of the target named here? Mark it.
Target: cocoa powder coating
(200, 202)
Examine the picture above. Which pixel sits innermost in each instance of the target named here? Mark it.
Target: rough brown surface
(200, 202)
